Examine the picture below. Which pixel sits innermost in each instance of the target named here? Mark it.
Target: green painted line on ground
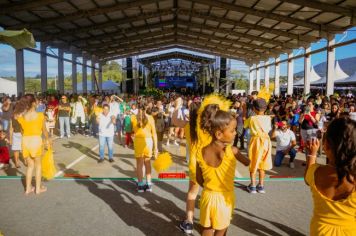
(154, 179)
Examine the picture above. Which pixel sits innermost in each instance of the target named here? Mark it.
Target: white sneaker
(68, 136)
(2, 165)
(61, 136)
(291, 165)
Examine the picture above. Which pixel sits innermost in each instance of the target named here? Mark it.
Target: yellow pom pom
(265, 94)
(163, 162)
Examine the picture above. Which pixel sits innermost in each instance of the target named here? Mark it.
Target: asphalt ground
(106, 207)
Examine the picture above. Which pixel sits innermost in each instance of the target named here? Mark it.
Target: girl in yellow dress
(333, 186)
(191, 143)
(260, 147)
(215, 170)
(33, 127)
(144, 142)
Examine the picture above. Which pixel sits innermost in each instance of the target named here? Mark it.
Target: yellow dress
(145, 138)
(192, 155)
(260, 147)
(32, 136)
(218, 198)
(331, 217)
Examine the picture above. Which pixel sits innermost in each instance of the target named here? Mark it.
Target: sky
(32, 60)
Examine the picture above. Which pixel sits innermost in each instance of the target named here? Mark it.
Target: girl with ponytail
(33, 129)
(333, 185)
(216, 163)
(145, 142)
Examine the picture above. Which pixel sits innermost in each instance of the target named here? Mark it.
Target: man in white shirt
(286, 142)
(106, 122)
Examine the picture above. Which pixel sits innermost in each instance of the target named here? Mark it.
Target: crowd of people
(211, 127)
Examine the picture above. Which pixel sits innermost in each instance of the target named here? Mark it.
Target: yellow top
(97, 110)
(331, 216)
(32, 127)
(149, 131)
(260, 125)
(221, 178)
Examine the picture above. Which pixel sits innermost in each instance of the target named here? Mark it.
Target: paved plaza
(108, 204)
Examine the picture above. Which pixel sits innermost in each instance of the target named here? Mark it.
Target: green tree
(112, 71)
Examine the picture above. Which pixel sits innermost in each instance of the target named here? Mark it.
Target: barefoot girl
(33, 127)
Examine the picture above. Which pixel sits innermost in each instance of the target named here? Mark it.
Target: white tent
(339, 75)
(313, 77)
(350, 80)
(8, 87)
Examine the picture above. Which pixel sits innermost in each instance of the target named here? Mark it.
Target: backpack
(178, 118)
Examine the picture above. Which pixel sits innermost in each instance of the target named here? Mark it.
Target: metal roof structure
(175, 55)
(238, 29)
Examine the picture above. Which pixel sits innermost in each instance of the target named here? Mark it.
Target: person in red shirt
(53, 104)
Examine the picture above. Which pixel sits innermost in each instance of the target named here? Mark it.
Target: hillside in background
(348, 65)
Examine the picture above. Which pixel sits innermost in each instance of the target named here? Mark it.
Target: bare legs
(212, 232)
(34, 164)
(191, 197)
(261, 178)
(16, 158)
(140, 162)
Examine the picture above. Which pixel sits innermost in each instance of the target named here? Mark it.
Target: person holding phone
(309, 123)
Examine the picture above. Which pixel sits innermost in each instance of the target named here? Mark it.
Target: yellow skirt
(31, 146)
(320, 229)
(260, 153)
(216, 209)
(143, 147)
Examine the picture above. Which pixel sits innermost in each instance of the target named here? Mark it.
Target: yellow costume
(32, 136)
(145, 138)
(192, 166)
(218, 198)
(331, 217)
(260, 147)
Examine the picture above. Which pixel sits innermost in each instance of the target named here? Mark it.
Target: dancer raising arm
(333, 185)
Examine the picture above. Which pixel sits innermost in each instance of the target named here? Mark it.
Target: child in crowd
(260, 148)
(333, 186)
(215, 160)
(4, 151)
(50, 120)
(160, 126)
(128, 128)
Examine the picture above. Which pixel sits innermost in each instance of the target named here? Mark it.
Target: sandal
(31, 191)
(42, 190)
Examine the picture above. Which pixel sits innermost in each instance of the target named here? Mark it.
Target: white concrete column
(60, 71)
(330, 69)
(290, 74)
(20, 72)
(307, 70)
(258, 78)
(250, 87)
(84, 75)
(267, 76)
(100, 79)
(74, 73)
(94, 82)
(277, 88)
(43, 48)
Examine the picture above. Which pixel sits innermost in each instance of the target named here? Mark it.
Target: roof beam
(84, 13)
(168, 46)
(120, 33)
(273, 16)
(323, 6)
(220, 46)
(141, 45)
(231, 42)
(239, 24)
(25, 5)
(284, 45)
(135, 43)
(103, 25)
